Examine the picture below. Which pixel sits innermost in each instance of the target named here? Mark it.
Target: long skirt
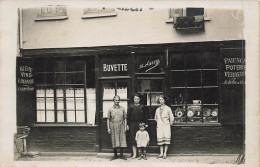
(133, 128)
(118, 136)
(163, 134)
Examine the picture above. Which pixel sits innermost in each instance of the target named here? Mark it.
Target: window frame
(202, 88)
(63, 86)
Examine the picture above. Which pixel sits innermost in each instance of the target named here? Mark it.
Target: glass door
(108, 89)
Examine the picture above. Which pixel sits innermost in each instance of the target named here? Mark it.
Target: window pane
(193, 61)
(193, 78)
(40, 66)
(154, 98)
(106, 106)
(60, 104)
(178, 96)
(80, 104)
(194, 113)
(49, 92)
(70, 116)
(40, 79)
(79, 78)
(79, 92)
(50, 116)
(40, 104)
(179, 114)
(59, 92)
(40, 92)
(60, 66)
(79, 65)
(48, 66)
(50, 103)
(193, 94)
(177, 62)
(210, 114)
(178, 79)
(70, 78)
(49, 78)
(124, 104)
(108, 90)
(143, 85)
(209, 61)
(70, 103)
(69, 66)
(80, 116)
(69, 92)
(210, 96)
(210, 78)
(60, 116)
(156, 85)
(122, 90)
(60, 78)
(40, 116)
(194, 11)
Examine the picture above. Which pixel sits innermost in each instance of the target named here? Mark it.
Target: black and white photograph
(126, 84)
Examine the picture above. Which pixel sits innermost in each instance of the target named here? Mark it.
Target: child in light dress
(142, 140)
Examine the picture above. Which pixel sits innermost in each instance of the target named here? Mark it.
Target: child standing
(142, 139)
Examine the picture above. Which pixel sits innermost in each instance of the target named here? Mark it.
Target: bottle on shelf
(180, 99)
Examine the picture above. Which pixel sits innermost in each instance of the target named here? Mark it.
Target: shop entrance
(108, 89)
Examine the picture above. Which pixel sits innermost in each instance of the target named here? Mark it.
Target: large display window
(65, 90)
(194, 87)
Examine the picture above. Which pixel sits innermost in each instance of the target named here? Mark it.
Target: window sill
(63, 125)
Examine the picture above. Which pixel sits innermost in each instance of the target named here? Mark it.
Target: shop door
(108, 89)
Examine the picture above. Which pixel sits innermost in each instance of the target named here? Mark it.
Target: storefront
(64, 93)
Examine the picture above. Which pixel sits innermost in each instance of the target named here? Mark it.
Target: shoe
(123, 157)
(145, 157)
(113, 158)
(139, 158)
(160, 156)
(164, 157)
(133, 157)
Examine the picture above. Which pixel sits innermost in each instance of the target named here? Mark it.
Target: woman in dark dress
(135, 115)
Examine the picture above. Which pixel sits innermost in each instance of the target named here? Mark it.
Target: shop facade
(64, 93)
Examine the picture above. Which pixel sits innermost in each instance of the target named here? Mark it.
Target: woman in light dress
(164, 118)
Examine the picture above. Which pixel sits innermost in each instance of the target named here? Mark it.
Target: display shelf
(210, 104)
(177, 87)
(177, 105)
(210, 86)
(177, 70)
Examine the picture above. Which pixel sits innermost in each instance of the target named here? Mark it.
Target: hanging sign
(25, 75)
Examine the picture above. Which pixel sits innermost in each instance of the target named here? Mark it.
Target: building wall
(59, 139)
(128, 27)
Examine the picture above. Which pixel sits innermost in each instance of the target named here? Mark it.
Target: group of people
(135, 120)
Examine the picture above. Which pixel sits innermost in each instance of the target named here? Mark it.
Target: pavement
(105, 157)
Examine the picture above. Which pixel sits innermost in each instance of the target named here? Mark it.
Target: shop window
(63, 93)
(194, 11)
(194, 87)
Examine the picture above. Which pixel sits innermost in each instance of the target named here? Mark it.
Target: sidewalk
(105, 157)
